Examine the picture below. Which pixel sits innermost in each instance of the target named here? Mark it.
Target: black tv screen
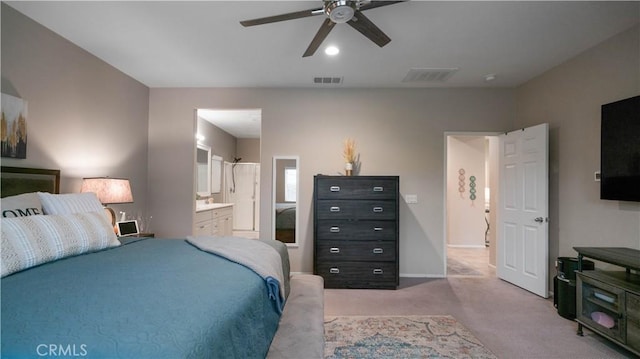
(620, 150)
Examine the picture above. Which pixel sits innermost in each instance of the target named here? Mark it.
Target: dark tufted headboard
(18, 180)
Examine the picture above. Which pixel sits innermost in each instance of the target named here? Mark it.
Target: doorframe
(444, 193)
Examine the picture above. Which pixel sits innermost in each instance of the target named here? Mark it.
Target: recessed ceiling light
(331, 50)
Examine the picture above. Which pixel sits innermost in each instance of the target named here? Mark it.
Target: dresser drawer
(329, 251)
(358, 274)
(356, 188)
(343, 229)
(356, 209)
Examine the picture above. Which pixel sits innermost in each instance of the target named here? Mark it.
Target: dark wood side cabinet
(356, 227)
(608, 302)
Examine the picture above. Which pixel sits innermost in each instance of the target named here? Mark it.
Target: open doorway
(471, 178)
(234, 138)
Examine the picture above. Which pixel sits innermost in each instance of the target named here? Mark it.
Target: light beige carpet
(456, 267)
(434, 336)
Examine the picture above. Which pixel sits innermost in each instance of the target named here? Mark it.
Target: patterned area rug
(439, 336)
(455, 267)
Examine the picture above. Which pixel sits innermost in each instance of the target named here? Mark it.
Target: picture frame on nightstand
(127, 228)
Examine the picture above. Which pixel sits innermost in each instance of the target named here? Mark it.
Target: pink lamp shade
(109, 190)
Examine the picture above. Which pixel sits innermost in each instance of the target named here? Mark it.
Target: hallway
(462, 262)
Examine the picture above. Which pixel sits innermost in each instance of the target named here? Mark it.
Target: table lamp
(109, 191)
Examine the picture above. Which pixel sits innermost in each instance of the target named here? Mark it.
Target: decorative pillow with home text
(22, 205)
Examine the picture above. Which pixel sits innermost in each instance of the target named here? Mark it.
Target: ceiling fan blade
(375, 4)
(283, 17)
(322, 33)
(368, 29)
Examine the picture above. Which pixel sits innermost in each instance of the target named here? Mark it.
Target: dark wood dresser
(356, 226)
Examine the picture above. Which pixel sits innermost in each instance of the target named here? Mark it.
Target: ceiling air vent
(429, 75)
(327, 80)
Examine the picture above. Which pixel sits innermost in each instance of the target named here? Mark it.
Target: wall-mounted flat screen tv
(620, 150)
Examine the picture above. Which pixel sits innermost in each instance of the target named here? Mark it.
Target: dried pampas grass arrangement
(349, 152)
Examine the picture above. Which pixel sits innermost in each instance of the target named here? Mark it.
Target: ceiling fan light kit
(340, 11)
(336, 12)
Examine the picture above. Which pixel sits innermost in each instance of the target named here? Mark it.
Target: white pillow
(27, 204)
(29, 241)
(70, 203)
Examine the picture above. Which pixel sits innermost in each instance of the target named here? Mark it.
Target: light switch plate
(411, 198)
(596, 176)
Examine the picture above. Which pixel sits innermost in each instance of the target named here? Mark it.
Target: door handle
(541, 219)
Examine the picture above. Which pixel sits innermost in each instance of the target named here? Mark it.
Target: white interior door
(522, 247)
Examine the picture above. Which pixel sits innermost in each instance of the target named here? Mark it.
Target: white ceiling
(241, 123)
(202, 44)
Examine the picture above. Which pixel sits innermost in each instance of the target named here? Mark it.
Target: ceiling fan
(337, 12)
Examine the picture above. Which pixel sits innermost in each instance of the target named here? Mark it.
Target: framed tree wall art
(14, 127)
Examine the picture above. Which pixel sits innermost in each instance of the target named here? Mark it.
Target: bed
(149, 298)
(286, 222)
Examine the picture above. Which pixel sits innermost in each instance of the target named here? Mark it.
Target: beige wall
(84, 117)
(222, 143)
(248, 149)
(397, 132)
(569, 97)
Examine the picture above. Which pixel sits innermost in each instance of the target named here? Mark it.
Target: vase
(348, 169)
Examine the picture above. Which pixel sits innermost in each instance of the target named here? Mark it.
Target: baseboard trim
(466, 245)
(412, 275)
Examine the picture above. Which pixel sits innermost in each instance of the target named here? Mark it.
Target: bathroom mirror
(285, 199)
(203, 170)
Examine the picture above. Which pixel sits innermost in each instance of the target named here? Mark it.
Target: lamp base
(111, 215)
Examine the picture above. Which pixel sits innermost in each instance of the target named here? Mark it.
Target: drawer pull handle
(378, 250)
(378, 189)
(377, 271)
(377, 209)
(334, 270)
(334, 229)
(335, 189)
(334, 209)
(334, 250)
(377, 229)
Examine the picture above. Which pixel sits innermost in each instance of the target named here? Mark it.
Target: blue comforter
(151, 298)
